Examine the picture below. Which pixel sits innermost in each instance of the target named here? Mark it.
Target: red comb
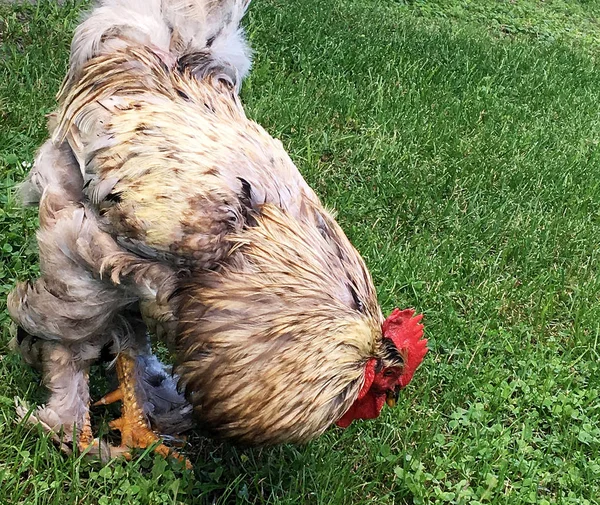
(406, 332)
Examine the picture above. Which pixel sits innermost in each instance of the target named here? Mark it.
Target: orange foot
(132, 424)
(85, 438)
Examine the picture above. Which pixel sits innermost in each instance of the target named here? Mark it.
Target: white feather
(170, 27)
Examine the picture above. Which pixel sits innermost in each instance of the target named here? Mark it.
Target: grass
(458, 141)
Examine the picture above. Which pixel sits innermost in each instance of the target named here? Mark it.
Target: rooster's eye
(388, 373)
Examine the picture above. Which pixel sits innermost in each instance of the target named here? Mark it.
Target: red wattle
(368, 407)
(362, 405)
(369, 378)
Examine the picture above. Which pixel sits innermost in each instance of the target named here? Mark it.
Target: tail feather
(171, 28)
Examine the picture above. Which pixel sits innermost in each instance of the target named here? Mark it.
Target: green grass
(459, 143)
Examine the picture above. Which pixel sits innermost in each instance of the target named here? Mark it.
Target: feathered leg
(41, 313)
(66, 414)
(67, 316)
(147, 390)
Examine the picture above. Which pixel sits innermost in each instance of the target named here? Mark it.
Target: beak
(392, 398)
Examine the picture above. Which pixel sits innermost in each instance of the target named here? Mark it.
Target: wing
(168, 156)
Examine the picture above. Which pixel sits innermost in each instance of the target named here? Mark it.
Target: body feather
(173, 156)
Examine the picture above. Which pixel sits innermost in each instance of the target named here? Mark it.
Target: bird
(163, 209)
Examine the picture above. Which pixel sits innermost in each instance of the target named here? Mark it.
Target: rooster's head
(403, 350)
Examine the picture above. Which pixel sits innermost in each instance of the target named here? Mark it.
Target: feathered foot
(133, 424)
(61, 433)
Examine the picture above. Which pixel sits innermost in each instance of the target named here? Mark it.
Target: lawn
(458, 140)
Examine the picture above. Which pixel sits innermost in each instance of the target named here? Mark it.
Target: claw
(135, 433)
(112, 397)
(180, 441)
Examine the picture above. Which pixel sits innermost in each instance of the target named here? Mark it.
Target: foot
(133, 424)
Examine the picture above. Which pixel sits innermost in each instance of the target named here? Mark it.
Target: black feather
(245, 199)
(21, 335)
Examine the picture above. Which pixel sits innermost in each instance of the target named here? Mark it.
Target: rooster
(163, 207)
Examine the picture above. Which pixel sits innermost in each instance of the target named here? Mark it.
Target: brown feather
(272, 347)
